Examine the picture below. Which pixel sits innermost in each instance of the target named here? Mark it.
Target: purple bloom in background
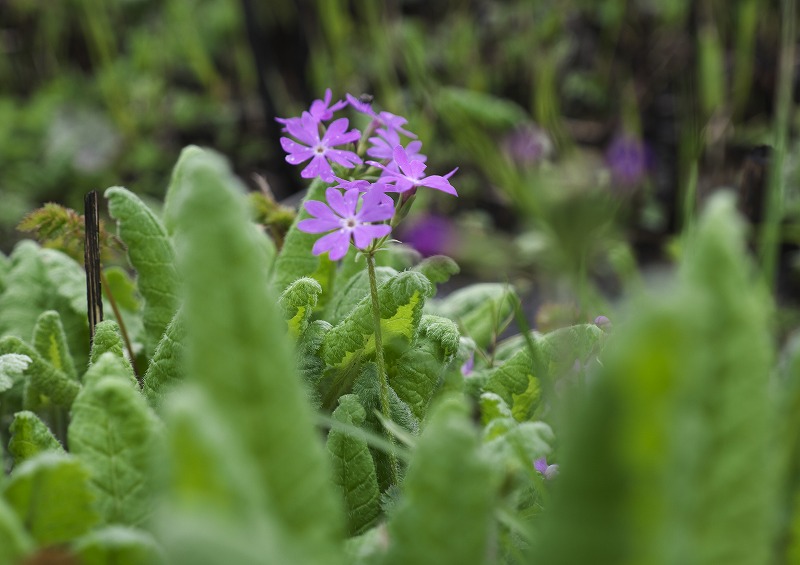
(627, 157)
(347, 221)
(468, 366)
(383, 146)
(602, 322)
(319, 150)
(410, 174)
(549, 471)
(430, 235)
(527, 145)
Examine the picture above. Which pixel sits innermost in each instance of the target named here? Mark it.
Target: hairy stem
(376, 321)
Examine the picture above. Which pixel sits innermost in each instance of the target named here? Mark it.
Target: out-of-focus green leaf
(51, 343)
(438, 268)
(351, 292)
(113, 432)
(118, 545)
(353, 467)
(150, 253)
(481, 108)
(29, 437)
(239, 353)
(448, 483)
(166, 366)
(50, 495)
(15, 542)
(516, 384)
(179, 185)
(12, 366)
(44, 382)
(479, 309)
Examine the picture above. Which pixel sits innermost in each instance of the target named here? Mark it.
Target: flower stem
(376, 321)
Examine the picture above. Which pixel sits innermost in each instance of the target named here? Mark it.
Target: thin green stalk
(770, 232)
(376, 320)
(689, 197)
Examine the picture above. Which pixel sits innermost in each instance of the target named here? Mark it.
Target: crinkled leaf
(415, 375)
(514, 446)
(151, 254)
(448, 483)
(479, 309)
(29, 437)
(51, 496)
(238, 351)
(298, 302)
(438, 268)
(12, 366)
(493, 407)
(309, 363)
(516, 384)
(401, 299)
(353, 467)
(51, 343)
(350, 293)
(118, 545)
(107, 339)
(166, 366)
(15, 542)
(295, 259)
(113, 432)
(44, 382)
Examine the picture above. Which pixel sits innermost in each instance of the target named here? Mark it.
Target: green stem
(376, 321)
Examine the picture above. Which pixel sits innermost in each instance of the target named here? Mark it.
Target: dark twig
(91, 263)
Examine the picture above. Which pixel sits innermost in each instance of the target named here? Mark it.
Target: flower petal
(318, 167)
(365, 233)
(439, 183)
(313, 225)
(344, 158)
(335, 243)
(338, 203)
(320, 210)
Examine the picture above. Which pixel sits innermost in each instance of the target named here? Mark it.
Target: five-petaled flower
(410, 174)
(319, 150)
(347, 221)
(320, 110)
(383, 146)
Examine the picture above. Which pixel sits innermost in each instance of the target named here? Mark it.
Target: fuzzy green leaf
(15, 542)
(238, 351)
(12, 366)
(416, 373)
(29, 437)
(438, 268)
(448, 485)
(298, 302)
(166, 366)
(479, 309)
(107, 339)
(150, 253)
(45, 382)
(516, 384)
(118, 545)
(401, 299)
(295, 259)
(350, 293)
(353, 467)
(50, 494)
(309, 363)
(51, 343)
(113, 431)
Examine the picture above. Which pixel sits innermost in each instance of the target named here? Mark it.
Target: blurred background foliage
(585, 132)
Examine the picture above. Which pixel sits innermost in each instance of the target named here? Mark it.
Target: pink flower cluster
(359, 214)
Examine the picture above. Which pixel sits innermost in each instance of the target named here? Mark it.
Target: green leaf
(51, 343)
(479, 309)
(113, 432)
(514, 446)
(309, 363)
(50, 495)
(166, 366)
(29, 437)
(295, 259)
(415, 375)
(515, 383)
(150, 253)
(438, 268)
(25, 296)
(179, 185)
(298, 302)
(445, 516)
(123, 289)
(118, 545)
(15, 542)
(44, 383)
(353, 468)
(238, 351)
(12, 366)
(5, 267)
(350, 293)
(401, 299)
(107, 339)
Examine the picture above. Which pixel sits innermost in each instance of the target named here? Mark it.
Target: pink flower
(386, 120)
(320, 110)
(319, 150)
(383, 146)
(347, 221)
(410, 174)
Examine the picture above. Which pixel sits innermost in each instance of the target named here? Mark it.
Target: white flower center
(349, 223)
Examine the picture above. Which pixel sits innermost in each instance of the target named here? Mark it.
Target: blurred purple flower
(469, 364)
(319, 150)
(410, 174)
(627, 157)
(347, 221)
(320, 110)
(527, 145)
(549, 471)
(430, 235)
